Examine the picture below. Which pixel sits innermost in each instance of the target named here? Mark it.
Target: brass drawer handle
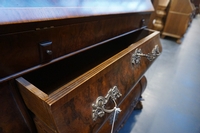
(98, 108)
(136, 57)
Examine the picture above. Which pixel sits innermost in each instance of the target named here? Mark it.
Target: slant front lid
(23, 11)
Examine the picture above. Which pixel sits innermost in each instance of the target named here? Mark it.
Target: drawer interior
(53, 76)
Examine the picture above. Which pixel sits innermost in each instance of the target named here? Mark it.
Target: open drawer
(67, 96)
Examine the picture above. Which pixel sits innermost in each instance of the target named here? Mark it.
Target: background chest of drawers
(74, 65)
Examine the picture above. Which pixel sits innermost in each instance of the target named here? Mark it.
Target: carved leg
(179, 41)
(139, 106)
(162, 36)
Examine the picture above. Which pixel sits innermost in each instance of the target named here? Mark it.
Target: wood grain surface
(23, 11)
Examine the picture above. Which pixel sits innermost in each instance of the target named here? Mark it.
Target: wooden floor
(172, 96)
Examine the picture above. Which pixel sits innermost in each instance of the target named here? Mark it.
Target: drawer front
(71, 107)
(126, 105)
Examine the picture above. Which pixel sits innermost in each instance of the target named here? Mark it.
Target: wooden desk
(58, 60)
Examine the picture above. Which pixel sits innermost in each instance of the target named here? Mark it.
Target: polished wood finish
(75, 28)
(131, 101)
(26, 12)
(178, 19)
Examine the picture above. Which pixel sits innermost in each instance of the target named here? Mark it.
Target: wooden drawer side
(34, 99)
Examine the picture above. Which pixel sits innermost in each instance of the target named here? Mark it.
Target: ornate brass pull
(136, 57)
(98, 108)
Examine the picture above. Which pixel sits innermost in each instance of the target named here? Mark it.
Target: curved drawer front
(71, 107)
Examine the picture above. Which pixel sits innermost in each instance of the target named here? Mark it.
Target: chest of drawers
(69, 66)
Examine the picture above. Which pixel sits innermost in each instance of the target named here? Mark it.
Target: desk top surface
(24, 11)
